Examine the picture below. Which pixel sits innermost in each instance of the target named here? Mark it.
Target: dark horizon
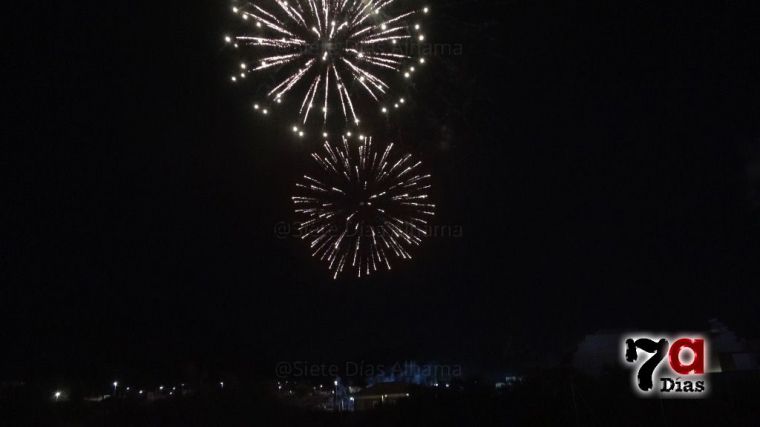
(601, 162)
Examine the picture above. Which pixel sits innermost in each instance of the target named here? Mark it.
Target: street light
(335, 395)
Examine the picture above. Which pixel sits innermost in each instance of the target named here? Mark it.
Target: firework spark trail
(362, 209)
(302, 40)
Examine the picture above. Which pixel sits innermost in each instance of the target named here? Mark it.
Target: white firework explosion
(366, 206)
(335, 50)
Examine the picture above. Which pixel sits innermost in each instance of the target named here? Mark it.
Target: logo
(683, 375)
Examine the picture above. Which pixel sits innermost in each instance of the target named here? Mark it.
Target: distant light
(57, 394)
(426, 10)
(422, 37)
(336, 381)
(140, 392)
(161, 388)
(221, 384)
(235, 9)
(422, 60)
(324, 134)
(115, 383)
(228, 39)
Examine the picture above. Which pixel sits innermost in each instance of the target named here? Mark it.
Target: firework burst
(366, 207)
(328, 54)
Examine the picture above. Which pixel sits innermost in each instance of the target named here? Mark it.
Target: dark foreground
(541, 401)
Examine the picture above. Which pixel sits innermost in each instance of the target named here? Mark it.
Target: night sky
(601, 160)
